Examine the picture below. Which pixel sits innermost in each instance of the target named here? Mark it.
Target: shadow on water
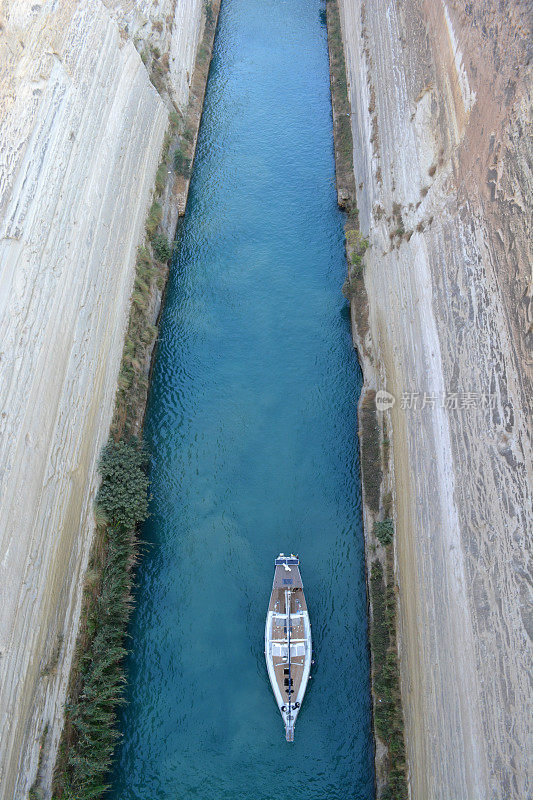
(252, 428)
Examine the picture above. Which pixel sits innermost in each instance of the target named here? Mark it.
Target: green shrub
(123, 493)
(357, 265)
(388, 718)
(92, 719)
(160, 178)
(144, 262)
(386, 452)
(157, 76)
(379, 632)
(167, 138)
(91, 714)
(209, 17)
(182, 164)
(384, 531)
(155, 215)
(188, 135)
(348, 289)
(356, 240)
(358, 246)
(175, 120)
(344, 132)
(353, 215)
(161, 247)
(370, 450)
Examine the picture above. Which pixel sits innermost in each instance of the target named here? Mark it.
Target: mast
(288, 612)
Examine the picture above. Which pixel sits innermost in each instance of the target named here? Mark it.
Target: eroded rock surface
(82, 128)
(441, 117)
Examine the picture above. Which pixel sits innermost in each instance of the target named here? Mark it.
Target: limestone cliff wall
(82, 128)
(441, 117)
(173, 26)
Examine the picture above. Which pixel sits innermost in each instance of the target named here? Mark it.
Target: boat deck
(280, 635)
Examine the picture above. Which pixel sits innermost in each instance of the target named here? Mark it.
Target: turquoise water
(252, 427)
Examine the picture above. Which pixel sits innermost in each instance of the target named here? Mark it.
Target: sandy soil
(441, 101)
(82, 128)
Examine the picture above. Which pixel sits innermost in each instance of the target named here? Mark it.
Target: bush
(379, 635)
(357, 264)
(144, 261)
(161, 247)
(155, 215)
(388, 718)
(160, 178)
(188, 135)
(370, 450)
(92, 719)
(209, 17)
(358, 245)
(348, 289)
(182, 164)
(384, 531)
(157, 76)
(91, 733)
(123, 494)
(175, 119)
(357, 241)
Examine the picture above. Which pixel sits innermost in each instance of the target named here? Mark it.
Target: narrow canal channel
(252, 427)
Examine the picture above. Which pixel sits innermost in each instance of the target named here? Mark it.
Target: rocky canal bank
(100, 106)
(440, 288)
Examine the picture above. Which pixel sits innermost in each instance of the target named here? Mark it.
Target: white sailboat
(288, 648)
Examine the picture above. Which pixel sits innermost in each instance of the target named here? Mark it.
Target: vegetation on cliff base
(354, 286)
(182, 162)
(388, 719)
(370, 451)
(161, 248)
(384, 531)
(356, 247)
(97, 676)
(90, 731)
(155, 215)
(123, 492)
(341, 110)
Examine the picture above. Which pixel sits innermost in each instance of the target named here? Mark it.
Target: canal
(252, 430)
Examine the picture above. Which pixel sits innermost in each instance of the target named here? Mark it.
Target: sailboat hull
(288, 646)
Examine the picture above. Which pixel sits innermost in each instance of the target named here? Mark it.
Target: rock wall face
(82, 128)
(441, 117)
(173, 26)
